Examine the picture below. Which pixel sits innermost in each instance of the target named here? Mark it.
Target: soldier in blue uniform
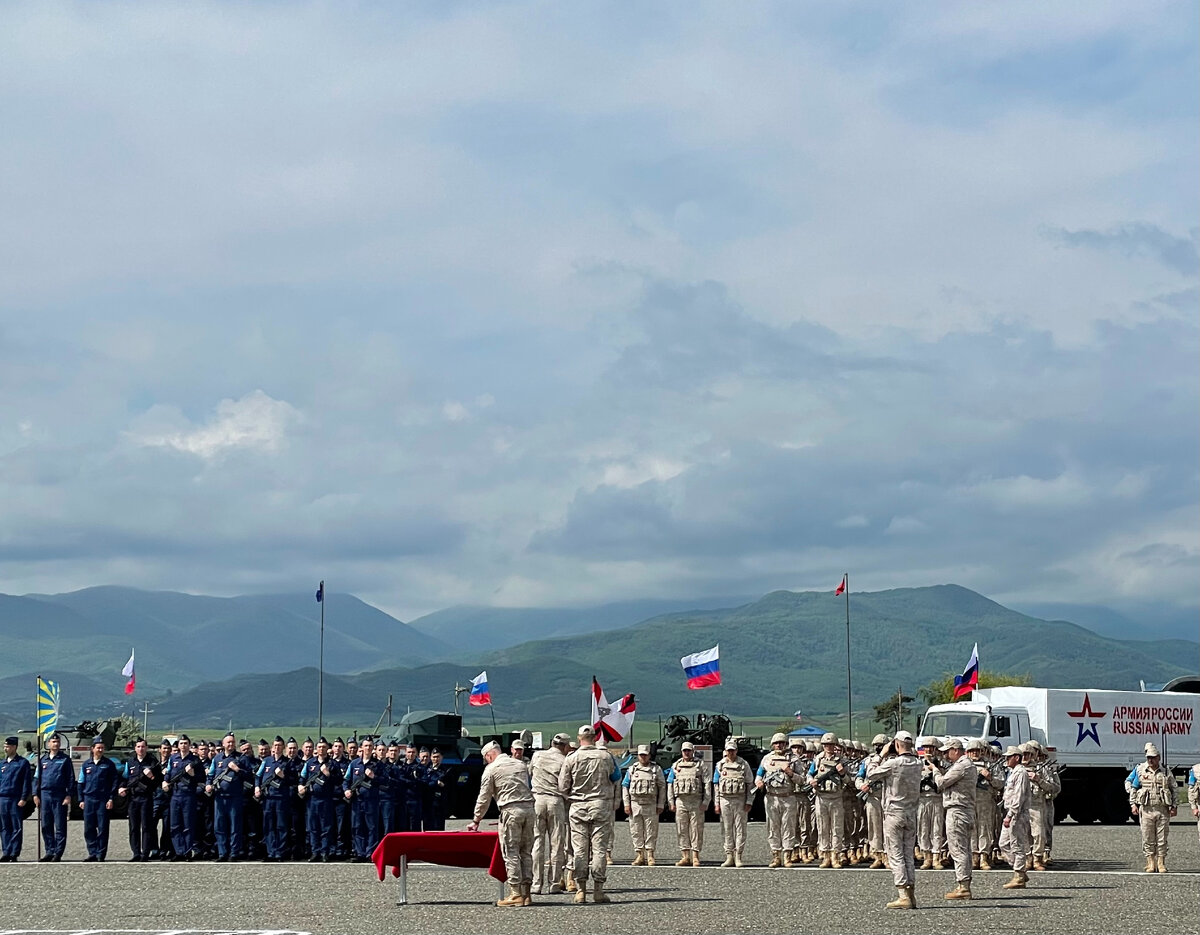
(162, 808)
(274, 788)
(320, 785)
(253, 847)
(98, 781)
(206, 832)
(437, 795)
(225, 786)
(410, 774)
(391, 792)
(300, 849)
(54, 789)
(140, 776)
(341, 808)
(16, 791)
(361, 793)
(183, 774)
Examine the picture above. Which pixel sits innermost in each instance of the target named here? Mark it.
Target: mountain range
(783, 651)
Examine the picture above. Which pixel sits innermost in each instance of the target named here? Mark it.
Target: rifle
(362, 782)
(217, 781)
(142, 783)
(825, 775)
(872, 787)
(317, 778)
(183, 774)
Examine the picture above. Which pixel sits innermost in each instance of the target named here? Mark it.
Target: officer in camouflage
(687, 796)
(1153, 804)
(957, 785)
(589, 782)
(1015, 841)
(550, 817)
(871, 793)
(734, 784)
(644, 795)
(506, 780)
(826, 776)
(776, 772)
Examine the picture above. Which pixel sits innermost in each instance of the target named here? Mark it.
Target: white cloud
(254, 422)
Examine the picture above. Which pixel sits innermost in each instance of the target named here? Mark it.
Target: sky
(542, 304)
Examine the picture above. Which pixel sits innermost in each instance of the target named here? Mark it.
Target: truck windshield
(953, 724)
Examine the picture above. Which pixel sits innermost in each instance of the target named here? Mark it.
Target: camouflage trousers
(591, 838)
(516, 842)
(874, 810)
(830, 822)
(1015, 842)
(806, 820)
(550, 839)
(985, 824)
(643, 823)
(689, 822)
(931, 827)
(899, 839)
(1037, 828)
(960, 835)
(781, 821)
(1156, 823)
(733, 822)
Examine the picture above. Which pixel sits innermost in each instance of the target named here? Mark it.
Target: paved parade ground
(1096, 886)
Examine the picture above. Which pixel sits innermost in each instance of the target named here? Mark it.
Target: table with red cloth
(450, 848)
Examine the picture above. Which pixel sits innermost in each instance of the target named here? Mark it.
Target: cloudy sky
(560, 303)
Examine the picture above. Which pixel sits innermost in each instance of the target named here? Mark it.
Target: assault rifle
(872, 787)
(218, 781)
(183, 774)
(362, 782)
(317, 778)
(825, 776)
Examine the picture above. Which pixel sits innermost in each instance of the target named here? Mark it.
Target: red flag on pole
(841, 588)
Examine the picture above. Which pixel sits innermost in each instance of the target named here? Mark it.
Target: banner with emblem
(48, 698)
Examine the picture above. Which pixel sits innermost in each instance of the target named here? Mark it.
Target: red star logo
(1085, 715)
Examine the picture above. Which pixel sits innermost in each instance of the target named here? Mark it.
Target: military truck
(708, 732)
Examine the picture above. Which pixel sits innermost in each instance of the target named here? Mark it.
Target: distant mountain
(782, 652)
(486, 628)
(1148, 619)
(182, 639)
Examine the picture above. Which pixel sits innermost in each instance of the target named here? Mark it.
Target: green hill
(782, 652)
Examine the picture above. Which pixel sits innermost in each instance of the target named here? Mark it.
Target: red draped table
(450, 848)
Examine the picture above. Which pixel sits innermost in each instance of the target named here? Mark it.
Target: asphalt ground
(1095, 885)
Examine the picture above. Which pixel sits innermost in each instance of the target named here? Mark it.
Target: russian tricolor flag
(702, 669)
(969, 681)
(479, 690)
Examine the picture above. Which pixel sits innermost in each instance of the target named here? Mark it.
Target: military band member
(957, 785)
(687, 796)
(98, 781)
(550, 817)
(52, 794)
(871, 794)
(16, 790)
(900, 771)
(589, 783)
(826, 776)
(776, 772)
(506, 779)
(733, 787)
(1015, 839)
(1153, 804)
(140, 777)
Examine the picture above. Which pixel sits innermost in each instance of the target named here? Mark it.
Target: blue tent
(808, 731)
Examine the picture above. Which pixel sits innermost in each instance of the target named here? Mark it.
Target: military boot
(695, 858)
(902, 900)
(649, 857)
(1016, 883)
(685, 860)
(918, 854)
(838, 862)
(1150, 867)
(853, 858)
(789, 858)
(975, 862)
(776, 861)
(526, 900)
(729, 860)
(826, 860)
(938, 863)
(877, 863)
(1038, 864)
(1162, 863)
(928, 865)
(580, 893)
(557, 887)
(737, 859)
(571, 884)
(598, 894)
(984, 863)
(961, 891)
(514, 897)
(640, 860)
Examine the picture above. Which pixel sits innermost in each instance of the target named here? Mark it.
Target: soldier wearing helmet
(776, 772)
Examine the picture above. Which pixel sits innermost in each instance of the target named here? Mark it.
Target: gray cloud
(1132, 240)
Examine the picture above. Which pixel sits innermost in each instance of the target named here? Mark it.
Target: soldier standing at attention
(410, 775)
(931, 835)
(320, 781)
(274, 786)
(140, 776)
(436, 802)
(361, 792)
(98, 780)
(299, 755)
(1153, 804)
(734, 784)
(16, 789)
(506, 780)
(342, 810)
(957, 783)
(827, 775)
(1193, 793)
(588, 781)
(550, 817)
(1044, 785)
(687, 796)
(986, 786)
(225, 786)
(644, 795)
(391, 792)
(776, 771)
(53, 791)
(1015, 842)
(900, 771)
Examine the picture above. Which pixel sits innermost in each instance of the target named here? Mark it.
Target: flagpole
(41, 804)
(849, 691)
(321, 667)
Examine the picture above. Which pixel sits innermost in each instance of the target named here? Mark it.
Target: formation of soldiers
(969, 808)
(315, 801)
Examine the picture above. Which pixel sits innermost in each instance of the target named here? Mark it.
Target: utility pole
(146, 709)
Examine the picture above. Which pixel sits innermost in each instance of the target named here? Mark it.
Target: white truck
(1096, 736)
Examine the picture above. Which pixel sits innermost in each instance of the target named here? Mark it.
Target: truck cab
(998, 727)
